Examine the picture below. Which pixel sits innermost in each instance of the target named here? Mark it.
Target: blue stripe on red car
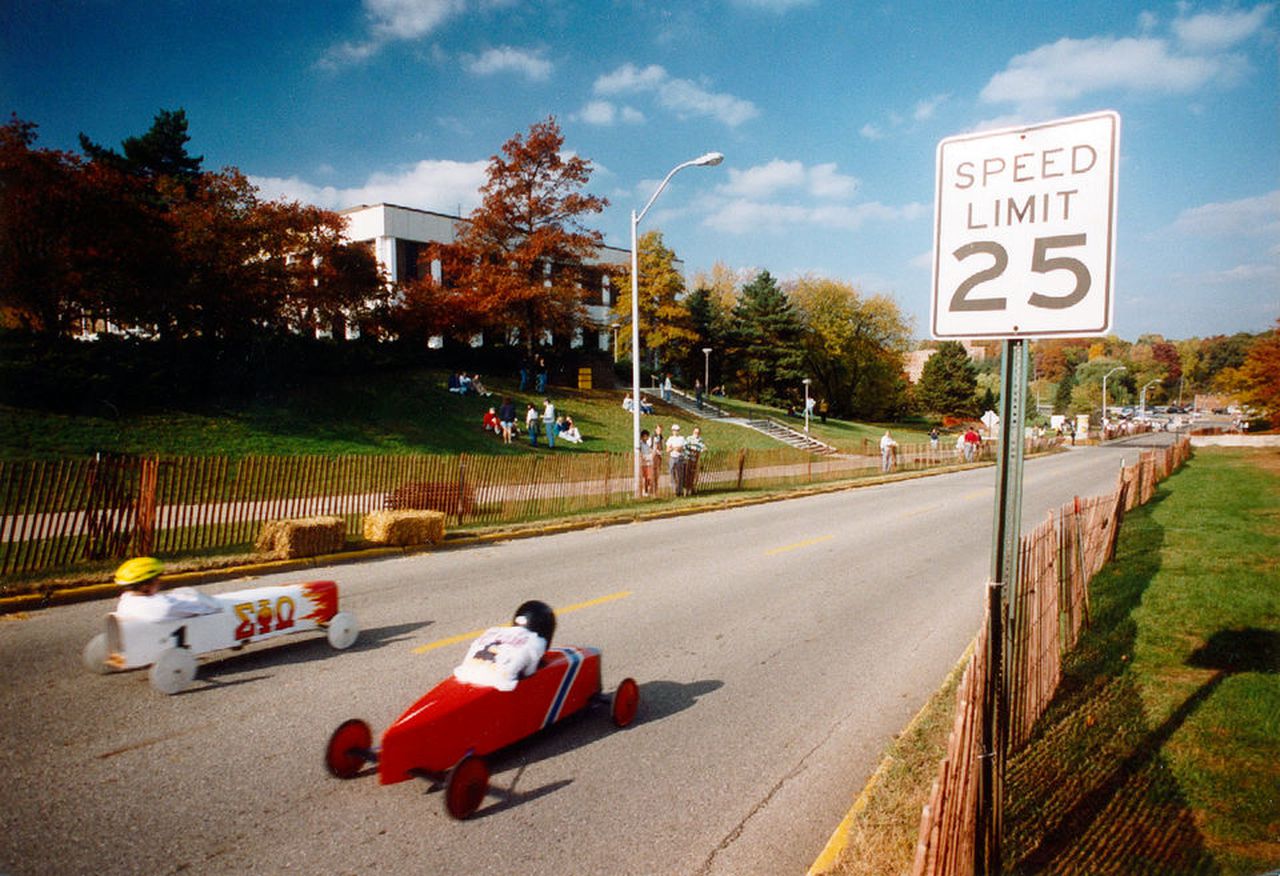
(566, 684)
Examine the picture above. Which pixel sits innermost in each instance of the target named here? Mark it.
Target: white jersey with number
(500, 657)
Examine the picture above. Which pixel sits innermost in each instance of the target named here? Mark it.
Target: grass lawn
(404, 412)
(1161, 751)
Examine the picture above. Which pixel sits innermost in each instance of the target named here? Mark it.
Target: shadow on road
(658, 700)
(292, 650)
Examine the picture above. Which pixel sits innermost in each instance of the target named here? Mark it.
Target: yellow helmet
(139, 570)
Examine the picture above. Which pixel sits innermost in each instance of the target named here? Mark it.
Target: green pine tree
(767, 333)
(948, 382)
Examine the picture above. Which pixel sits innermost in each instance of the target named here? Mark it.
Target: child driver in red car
(501, 656)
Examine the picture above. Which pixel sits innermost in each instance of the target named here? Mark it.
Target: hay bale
(302, 537)
(404, 527)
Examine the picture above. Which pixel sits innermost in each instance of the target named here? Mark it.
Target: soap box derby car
(446, 734)
(170, 646)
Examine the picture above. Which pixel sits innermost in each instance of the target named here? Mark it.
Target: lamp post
(806, 407)
(706, 371)
(1142, 403)
(616, 326)
(1104, 400)
(707, 160)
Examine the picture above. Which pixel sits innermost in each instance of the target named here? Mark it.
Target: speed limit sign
(1024, 230)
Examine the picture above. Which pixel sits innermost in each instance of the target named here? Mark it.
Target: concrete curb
(82, 593)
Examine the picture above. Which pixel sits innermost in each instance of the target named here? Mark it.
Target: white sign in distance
(1024, 230)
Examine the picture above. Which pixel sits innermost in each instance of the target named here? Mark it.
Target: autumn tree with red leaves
(521, 261)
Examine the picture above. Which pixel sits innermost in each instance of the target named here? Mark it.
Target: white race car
(170, 646)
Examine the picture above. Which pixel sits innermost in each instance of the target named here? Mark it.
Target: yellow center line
(798, 545)
(467, 637)
(929, 510)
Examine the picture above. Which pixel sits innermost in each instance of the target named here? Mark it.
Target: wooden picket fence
(62, 514)
(1048, 613)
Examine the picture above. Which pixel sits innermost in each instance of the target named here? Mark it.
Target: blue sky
(828, 111)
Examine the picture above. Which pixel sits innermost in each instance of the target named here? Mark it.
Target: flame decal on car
(324, 600)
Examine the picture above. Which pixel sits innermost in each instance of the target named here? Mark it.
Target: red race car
(446, 735)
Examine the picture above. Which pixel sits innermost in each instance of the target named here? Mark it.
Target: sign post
(1024, 247)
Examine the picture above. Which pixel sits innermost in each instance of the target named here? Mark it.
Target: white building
(400, 234)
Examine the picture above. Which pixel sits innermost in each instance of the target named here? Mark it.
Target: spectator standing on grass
(507, 417)
(693, 448)
(647, 479)
(659, 444)
(972, 442)
(675, 453)
(549, 421)
(697, 391)
(888, 452)
(933, 438)
(666, 388)
(542, 375)
(960, 445)
(531, 424)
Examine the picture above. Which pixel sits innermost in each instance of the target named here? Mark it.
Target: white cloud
(1214, 31)
(765, 180)
(1071, 68)
(871, 131)
(682, 96)
(429, 185)
(926, 108)
(1195, 57)
(629, 79)
(747, 216)
(393, 20)
(506, 59)
(1248, 216)
(605, 113)
(825, 182)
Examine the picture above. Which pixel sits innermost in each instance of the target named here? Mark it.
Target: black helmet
(537, 616)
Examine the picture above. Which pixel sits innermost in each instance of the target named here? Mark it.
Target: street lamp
(706, 373)
(1104, 400)
(806, 407)
(616, 326)
(1142, 403)
(711, 158)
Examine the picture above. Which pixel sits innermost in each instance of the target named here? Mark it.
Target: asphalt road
(778, 648)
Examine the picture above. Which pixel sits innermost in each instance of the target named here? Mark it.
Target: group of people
(467, 384)
(502, 422)
(538, 370)
(628, 405)
(682, 457)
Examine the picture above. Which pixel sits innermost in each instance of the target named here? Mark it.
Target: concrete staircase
(787, 435)
(688, 403)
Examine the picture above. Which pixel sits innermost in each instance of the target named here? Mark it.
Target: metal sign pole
(1007, 531)
(1008, 506)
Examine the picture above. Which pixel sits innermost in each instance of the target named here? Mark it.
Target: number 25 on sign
(1024, 230)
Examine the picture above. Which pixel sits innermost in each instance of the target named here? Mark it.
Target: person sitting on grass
(491, 422)
(569, 431)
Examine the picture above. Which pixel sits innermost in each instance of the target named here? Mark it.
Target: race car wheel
(343, 630)
(466, 786)
(344, 755)
(626, 702)
(173, 670)
(95, 654)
